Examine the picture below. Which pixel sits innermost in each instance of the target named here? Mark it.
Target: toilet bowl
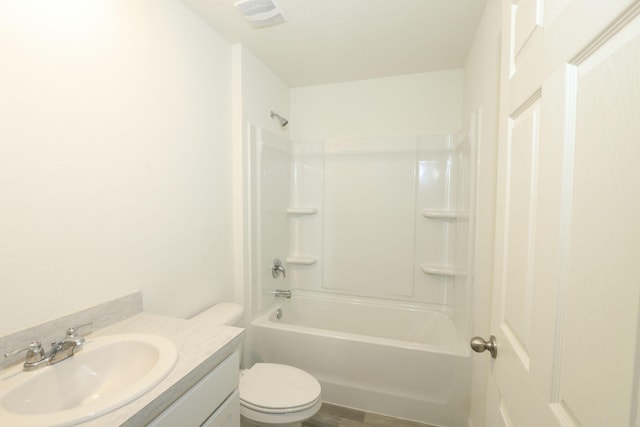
(271, 394)
(275, 394)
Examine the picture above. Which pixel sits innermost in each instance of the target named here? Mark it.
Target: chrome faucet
(35, 355)
(60, 350)
(282, 293)
(70, 344)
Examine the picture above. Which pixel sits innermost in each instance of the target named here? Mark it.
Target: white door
(567, 265)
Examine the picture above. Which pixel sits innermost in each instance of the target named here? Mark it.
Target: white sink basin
(109, 372)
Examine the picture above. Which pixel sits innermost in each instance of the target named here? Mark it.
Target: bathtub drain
(278, 314)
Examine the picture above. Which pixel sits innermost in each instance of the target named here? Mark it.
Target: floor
(337, 416)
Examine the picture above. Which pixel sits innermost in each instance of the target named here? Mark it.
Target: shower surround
(363, 225)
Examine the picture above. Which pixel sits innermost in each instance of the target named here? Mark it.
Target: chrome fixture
(283, 122)
(278, 314)
(479, 345)
(282, 293)
(277, 269)
(35, 355)
(60, 350)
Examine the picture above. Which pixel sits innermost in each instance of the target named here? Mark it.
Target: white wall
(481, 85)
(115, 158)
(262, 91)
(416, 104)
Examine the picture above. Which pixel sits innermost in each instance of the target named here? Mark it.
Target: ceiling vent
(261, 13)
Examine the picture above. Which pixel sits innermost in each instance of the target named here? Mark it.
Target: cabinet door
(198, 403)
(227, 415)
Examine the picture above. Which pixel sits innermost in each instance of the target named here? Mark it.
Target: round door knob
(479, 345)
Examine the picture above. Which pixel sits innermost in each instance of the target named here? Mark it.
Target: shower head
(283, 122)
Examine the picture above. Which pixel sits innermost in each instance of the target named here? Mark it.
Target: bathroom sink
(109, 372)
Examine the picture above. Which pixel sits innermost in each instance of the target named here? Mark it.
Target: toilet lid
(275, 386)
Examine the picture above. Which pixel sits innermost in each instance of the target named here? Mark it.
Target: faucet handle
(71, 332)
(34, 351)
(277, 269)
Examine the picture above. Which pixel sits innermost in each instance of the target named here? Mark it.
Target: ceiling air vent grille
(261, 13)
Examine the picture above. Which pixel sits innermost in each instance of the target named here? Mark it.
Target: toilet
(271, 394)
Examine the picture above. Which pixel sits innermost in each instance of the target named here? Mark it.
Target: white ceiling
(328, 41)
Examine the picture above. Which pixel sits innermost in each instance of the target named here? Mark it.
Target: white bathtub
(394, 359)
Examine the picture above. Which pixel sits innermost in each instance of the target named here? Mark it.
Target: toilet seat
(281, 418)
(271, 392)
(279, 410)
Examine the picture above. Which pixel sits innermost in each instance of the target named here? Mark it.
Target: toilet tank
(224, 313)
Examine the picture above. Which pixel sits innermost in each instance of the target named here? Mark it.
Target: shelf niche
(444, 214)
(295, 210)
(441, 271)
(302, 260)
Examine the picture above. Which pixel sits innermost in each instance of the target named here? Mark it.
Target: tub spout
(282, 293)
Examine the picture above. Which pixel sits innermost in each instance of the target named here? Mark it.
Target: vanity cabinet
(212, 402)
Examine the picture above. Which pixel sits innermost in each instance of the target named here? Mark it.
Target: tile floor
(337, 416)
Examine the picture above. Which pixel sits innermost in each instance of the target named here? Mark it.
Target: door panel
(527, 18)
(603, 292)
(567, 275)
(521, 181)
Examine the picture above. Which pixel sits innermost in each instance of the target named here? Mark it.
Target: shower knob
(479, 345)
(278, 269)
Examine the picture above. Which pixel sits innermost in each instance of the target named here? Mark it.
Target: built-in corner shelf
(444, 214)
(441, 271)
(302, 260)
(296, 210)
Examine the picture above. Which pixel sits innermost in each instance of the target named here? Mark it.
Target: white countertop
(201, 346)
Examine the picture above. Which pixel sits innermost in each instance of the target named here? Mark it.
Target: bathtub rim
(262, 319)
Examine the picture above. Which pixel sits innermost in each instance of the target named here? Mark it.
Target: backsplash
(101, 316)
